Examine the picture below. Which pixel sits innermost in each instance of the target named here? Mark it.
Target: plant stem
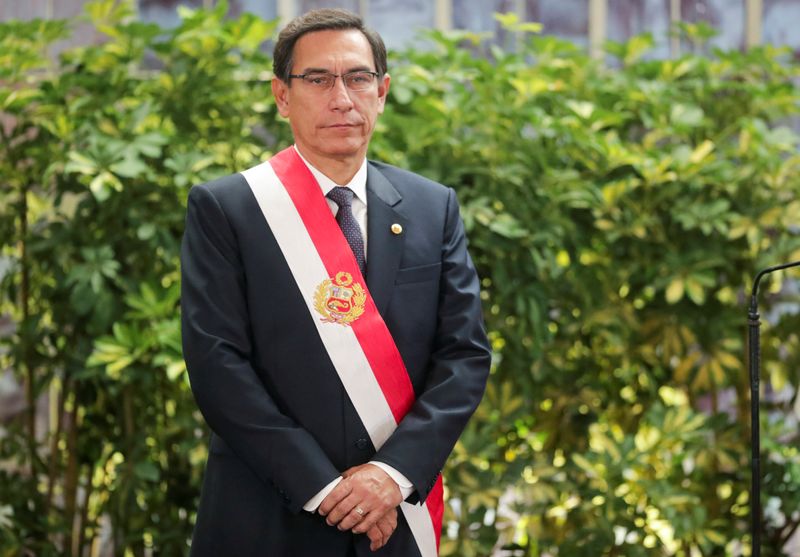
(26, 366)
(85, 511)
(71, 477)
(54, 454)
(25, 293)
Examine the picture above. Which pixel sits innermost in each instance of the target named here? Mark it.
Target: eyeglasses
(360, 80)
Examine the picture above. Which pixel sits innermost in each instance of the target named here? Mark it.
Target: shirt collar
(358, 184)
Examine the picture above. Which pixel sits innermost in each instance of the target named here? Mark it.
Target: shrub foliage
(616, 213)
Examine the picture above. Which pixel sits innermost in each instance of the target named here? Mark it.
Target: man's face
(337, 123)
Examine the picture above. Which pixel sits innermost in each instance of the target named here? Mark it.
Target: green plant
(100, 151)
(616, 215)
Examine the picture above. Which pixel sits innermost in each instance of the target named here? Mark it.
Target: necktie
(343, 197)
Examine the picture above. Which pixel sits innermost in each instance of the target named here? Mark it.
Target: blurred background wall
(589, 22)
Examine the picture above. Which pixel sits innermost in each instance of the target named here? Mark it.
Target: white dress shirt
(359, 207)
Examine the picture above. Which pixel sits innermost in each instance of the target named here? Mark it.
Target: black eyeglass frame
(343, 77)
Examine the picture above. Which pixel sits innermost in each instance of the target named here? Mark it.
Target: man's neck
(340, 170)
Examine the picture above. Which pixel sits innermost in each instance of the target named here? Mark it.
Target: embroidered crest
(340, 300)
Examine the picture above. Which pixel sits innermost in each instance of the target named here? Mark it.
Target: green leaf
(176, 370)
(19, 98)
(150, 144)
(583, 109)
(130, 167)
(507, 226)
(82, 298)
(695, 290)
(686, 115)
(147, 471)
(146, 231)
(103, 184)
(702, 151)
(675, 290)
(81, 164)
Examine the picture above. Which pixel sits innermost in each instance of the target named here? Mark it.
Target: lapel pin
(397, 229)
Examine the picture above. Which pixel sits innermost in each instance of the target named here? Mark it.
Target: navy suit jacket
(282, 424)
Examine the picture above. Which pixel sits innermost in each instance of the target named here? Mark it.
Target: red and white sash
(353, 332)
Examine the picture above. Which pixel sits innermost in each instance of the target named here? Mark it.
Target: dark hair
(322, 20)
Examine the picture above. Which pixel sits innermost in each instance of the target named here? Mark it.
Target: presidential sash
(351, 329)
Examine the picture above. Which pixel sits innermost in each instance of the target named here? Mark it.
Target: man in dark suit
(295, 467)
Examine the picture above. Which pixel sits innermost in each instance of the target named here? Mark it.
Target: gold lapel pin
(397, 229)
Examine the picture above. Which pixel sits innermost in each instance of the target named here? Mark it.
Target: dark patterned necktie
(343, 197)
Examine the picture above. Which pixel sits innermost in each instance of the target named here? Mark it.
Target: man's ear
(383, 91)
(280, 91)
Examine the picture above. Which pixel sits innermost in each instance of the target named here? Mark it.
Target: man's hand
(361, 499)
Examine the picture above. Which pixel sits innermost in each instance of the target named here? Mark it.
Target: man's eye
(318, 79)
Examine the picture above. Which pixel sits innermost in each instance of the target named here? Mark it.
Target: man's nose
(340, 96)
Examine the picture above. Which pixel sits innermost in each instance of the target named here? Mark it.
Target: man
(336, 359)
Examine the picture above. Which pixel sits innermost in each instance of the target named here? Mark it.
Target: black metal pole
(754, 326)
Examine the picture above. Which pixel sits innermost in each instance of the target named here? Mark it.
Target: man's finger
(333, 498)
(368, 522)
(376, 539)
(387, 526)
(377, 536)
(383, 530)
(387, 522)
(353, 518)
(343, 508)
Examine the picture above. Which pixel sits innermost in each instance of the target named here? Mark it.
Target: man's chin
(343, 149)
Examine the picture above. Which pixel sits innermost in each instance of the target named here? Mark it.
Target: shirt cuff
(313, 503)
(406, 488)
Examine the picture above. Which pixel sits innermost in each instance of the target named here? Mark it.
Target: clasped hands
(366, 502)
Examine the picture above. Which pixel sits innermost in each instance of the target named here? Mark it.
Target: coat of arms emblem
(339, 299)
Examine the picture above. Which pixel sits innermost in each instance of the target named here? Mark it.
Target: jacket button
(362, 444)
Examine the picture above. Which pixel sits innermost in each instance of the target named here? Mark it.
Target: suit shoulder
(222, 188)
(403, 179)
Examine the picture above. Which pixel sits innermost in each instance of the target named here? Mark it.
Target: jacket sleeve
(217, 347)
(457, 373)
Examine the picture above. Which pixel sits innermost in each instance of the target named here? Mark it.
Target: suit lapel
(384, 247)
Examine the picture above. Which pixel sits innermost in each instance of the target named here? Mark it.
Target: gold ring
(359, 510)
